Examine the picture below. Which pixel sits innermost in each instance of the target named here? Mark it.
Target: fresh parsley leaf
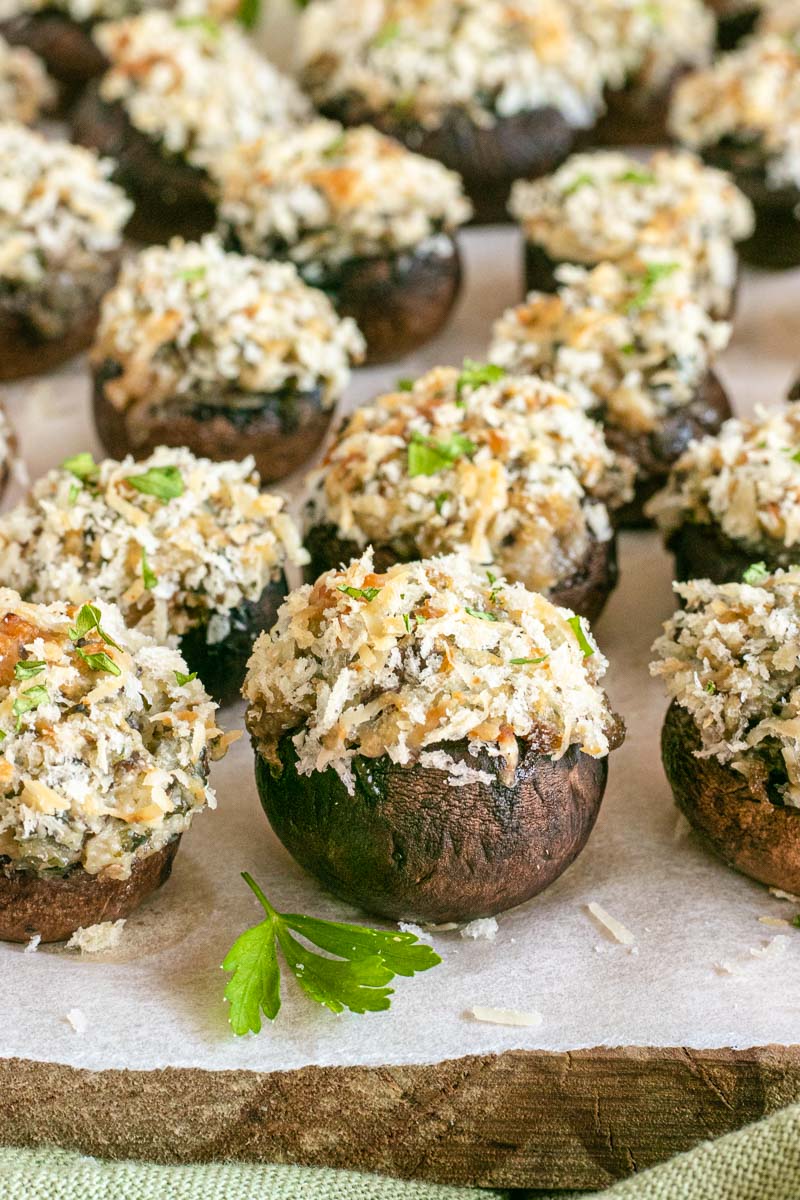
(192, 274)
(480, 614)
(387, 34)
(475, 374)
(166, 483)
(756, 574)
(367, 594)
(634, 176)
(2, 736)
(82, 466)
(248, 13)
(796, 456)
(711, 688)
(581, 181)
(206, 24)
(405, 385)
(87, 620)
(365, 962)
(28, 701)
(629, 349)
(98, 660)
(336, 146)
(74, 492)
(528, 662)
(440, 501)
(653, 275)
(26, 668)
(182, 679)
(407, 622)
(427, 456)
(584, 643)
(149, 578)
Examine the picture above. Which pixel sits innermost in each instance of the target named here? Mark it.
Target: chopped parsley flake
(182, 679)
(440, 501)
(634, 176)
(88, 619)
(149, 578)
(166, 483)
(528, 662)
(387, 34)
(756, 574)
(28, 667)
(28, 701)
(653, 275)
(335, 148)
(427, 456)
(482, 616)
(584, 643)
(206, 24)
(82, 466)
(475, 375)
(248, 13)
(582, 181)
(711, 688)
(367, 594)
(98, 660)
(405, 385)
(191, 274)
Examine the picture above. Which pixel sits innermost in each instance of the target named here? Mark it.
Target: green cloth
(758, 1163)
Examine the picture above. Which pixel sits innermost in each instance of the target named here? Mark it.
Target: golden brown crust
(54, 907)
(754, 836)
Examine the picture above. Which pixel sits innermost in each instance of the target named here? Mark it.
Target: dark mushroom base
(282, 431)
(488, 158)
(731, 29)
(635, 115)
(408, 845)
(775, 244)
(40, 330)
(171, 197)
(586, 591)
(757, 837)
(222, 665)
(655, 453)
(55, 906)
(705, 552)
(67, 47)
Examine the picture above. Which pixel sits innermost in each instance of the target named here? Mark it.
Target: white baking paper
(695, 974)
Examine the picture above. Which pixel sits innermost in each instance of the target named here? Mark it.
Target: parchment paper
(157, 1000)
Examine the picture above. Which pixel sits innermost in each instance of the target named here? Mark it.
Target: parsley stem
(256, 890)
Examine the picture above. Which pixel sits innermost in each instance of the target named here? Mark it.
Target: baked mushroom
(636, 350)
(492, 90)
(226, 354)
(735, 19)
(104, 764)
(743, 114)
(192, 551)
(360, 217)
(611, 207)
(430, 744)
(8, 449)
(26, 91)
(733, 500)
(507, 471)
(729, 661)
(177, 91)
(59, 32)
(643, 49)
(61, 226)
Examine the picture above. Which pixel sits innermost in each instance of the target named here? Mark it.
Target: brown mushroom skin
(635, 115)
(282, 434)
(222, 666)
(655, 453)
(33, 338)
(775, 244)
(586, 591)
(705, 552)
(754, 836)
(172, 197)
(67, 47)
(732, 27)
(54, 906)
(488, 158)
(408, 845)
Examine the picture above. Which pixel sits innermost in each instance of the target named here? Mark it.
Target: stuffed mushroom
(26, 91)
(177, 91)
(612, 207)
(59, 32)
(636, 350)
(192, 551)
(743, 114)
(508, 471)
(733, 500)
(431, 744)
(104, 762)
(226, 354)
(360, 217)
(61, 224)
(492, 90)
(730, 742)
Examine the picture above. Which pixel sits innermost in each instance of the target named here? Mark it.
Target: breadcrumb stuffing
(483, 928)
(96, 939)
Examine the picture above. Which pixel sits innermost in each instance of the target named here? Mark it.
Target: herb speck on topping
(653, 275)
(356, 593)
(98, 660)
(528, 662)
(28, 701)
(149, 578)
(577, 628)
(28, 667)
(582, 181)
(427, 456)
(756, 574)
(480, 614)
(165, 483)
(182, 679)
(82, 466)
(88, 619)
(475, 374)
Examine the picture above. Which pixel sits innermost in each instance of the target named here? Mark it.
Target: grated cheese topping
(171, 565)
(608, 205)
(509, 472)
(191, 320)
(58, 210)
(731, 658)
(194, 85)
(750, 96)
(89, 11)
(745, 480)
(397, 663)
(322, 195)
(97, 939)
(418, 59)
(104, 755)
(631, 346)
(26, 90)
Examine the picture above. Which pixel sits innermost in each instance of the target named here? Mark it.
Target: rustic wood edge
(524, 1119)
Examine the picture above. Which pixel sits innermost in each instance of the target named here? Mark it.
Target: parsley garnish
(711, 688)
(88, 619)
(653, 275)
(207, 25)
(475, 374)
(480, 614)
(98, 660)
(756, 574)
(336, 146)
(191, 274)
(388, 33)
(440, 501)
(582, 181)
(26, 668)
(182, 679)
(27, 701)
(164, 482)
(584, 643)
(365, 962)
(149, 578)
(405, 385)
(407, 622)
(74, 492)
(630, 348)
(248, 13)
(634, 176)
(367, 594)
(528, 662)
(428, 457)
(82, 466)
(796, 456)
